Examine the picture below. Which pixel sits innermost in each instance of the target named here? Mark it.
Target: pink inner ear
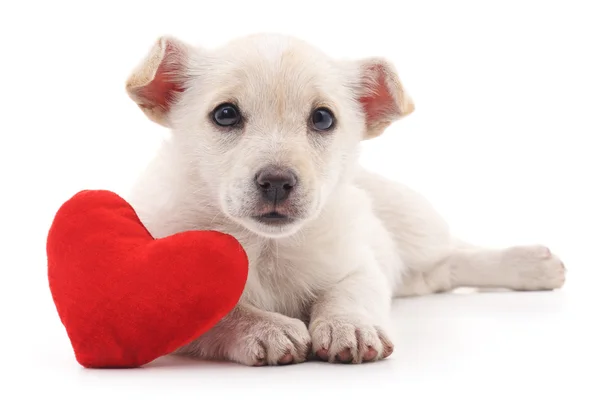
(161, 91)
(379, 102)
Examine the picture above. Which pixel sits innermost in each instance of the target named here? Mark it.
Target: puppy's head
(269, 124)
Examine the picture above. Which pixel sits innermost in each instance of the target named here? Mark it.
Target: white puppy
(265, 138)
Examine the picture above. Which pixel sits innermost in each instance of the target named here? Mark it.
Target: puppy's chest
(287, 280)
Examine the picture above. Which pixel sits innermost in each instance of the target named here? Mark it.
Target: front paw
(349, 340)
(273, 340)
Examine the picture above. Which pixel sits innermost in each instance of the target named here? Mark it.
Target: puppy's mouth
(274, 219)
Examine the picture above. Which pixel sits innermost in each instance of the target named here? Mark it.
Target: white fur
(324, 284)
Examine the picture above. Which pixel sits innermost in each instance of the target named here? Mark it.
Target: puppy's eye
(226, 115)
(322, 119)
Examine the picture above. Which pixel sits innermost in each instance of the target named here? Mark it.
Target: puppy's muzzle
(275, 184)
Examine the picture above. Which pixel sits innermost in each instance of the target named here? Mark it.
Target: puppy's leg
(349, 321)
(254, 337)
(516, 268)
(436, 262)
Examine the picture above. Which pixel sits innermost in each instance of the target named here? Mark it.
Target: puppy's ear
(159, 78)
(381, 95)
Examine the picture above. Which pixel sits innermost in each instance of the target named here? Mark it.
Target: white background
(503, 141)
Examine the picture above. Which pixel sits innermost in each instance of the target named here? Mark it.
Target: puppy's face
(270, 125)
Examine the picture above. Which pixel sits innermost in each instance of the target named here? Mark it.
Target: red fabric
(126, 298)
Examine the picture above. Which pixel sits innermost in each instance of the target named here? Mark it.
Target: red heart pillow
(126, 298)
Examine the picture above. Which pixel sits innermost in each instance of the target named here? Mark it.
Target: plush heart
(126, 298)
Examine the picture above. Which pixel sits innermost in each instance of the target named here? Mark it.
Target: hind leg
(436, 262)
(517, 268)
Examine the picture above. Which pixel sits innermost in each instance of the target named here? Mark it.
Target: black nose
(275, 184)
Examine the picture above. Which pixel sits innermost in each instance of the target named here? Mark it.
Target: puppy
(265, 140)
